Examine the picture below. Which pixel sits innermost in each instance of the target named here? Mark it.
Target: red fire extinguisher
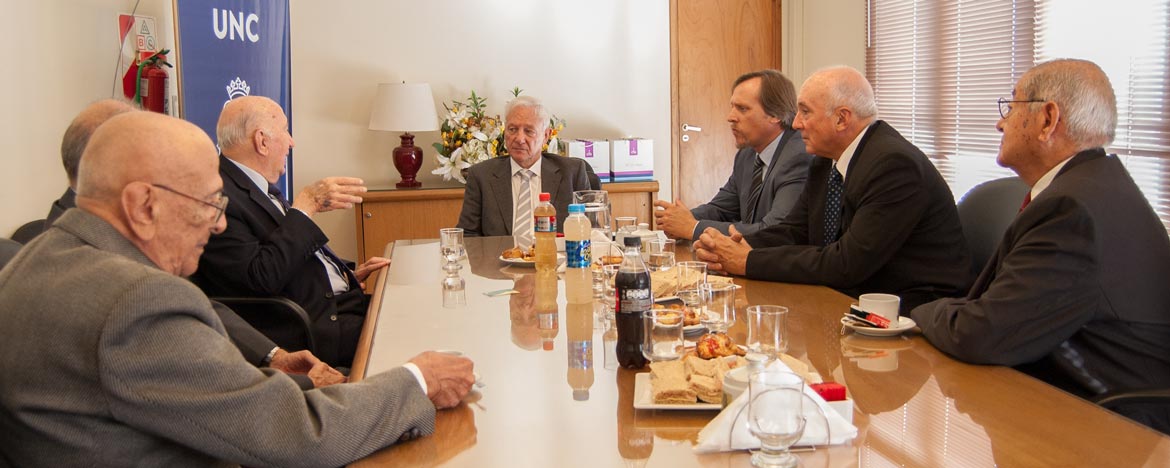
(149, 87)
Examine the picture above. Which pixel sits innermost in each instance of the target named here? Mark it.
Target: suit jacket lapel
(234, 175)
(550, 175)
(502, 188)
(770, 175)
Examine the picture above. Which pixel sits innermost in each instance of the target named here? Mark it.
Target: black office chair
(28, 231)
(1150, 407)
(986, 211)
(280, 319)
(8, 249)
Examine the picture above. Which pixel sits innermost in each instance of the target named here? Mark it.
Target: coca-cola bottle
(632, 287)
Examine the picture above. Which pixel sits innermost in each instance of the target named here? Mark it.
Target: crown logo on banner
(237, 88)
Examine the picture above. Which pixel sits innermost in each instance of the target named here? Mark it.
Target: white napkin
(733, 420)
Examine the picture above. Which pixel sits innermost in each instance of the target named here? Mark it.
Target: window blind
(937, 67)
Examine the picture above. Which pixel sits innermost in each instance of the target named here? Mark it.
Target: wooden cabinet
(388, 215)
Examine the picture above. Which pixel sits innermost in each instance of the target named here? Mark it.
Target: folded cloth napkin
(729, 430)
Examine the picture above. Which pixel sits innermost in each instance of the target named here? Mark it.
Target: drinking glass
(718, 306)
(661, 254)
(690, 276)
(663, 334)
(602, 250)
(609, 275)
(597, 209)
(775, 416)
(451, 244)
(767, 329)
(625, 223)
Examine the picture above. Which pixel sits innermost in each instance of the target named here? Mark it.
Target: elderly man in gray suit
(502, 192)
(111, 358)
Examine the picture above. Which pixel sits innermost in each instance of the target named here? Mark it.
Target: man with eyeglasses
(272, 247)
(502, 192)
(1076, 292)
(256, 348)
(111, 358)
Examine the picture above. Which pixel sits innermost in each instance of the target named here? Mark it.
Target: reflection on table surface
(913, 406)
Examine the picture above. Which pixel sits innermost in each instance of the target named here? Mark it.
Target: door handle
(691, 128)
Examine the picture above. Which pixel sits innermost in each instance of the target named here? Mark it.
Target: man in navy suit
(768, 172)
(273, 248)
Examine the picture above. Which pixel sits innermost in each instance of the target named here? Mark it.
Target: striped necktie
(757, 188)
(522, 228)
(833, 206)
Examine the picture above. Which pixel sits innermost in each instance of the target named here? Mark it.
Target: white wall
(602, 65)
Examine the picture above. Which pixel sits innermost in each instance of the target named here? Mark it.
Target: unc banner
(233, 48)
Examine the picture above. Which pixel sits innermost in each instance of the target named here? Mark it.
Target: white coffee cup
(885, 305)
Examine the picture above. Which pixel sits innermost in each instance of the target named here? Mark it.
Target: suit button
(333, 317)
(329, 295)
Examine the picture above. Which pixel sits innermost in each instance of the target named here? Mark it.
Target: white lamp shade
(404, 107)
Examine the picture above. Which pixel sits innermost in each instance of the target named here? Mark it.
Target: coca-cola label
(634, 300)
(545, 223)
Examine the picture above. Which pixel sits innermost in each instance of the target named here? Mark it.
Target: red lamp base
(408, 159)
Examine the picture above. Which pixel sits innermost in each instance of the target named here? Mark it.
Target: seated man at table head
(111, 358)
(273, 249)
(874, 216)
(768, 171)
(73, 145)
(1075, 293)
(502, 192)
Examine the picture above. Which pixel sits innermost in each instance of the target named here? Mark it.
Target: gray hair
(777, 94)
(77, 135)
(1082, 92)
(234, 130)
(542, 114)
(849, 89)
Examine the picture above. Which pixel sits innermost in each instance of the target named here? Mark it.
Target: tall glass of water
(660, 254)
(691, 275)
(775, 416)
(451, 244)
(767, 330)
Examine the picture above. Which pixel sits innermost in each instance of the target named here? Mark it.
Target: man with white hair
(111, 358)
(874, 216)
(502, 192)
(1075, 293)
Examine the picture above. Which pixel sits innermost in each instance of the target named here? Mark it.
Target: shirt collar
(1046, 179)
(254, 176)
(770, 151)
(842, 163)
(535, 166)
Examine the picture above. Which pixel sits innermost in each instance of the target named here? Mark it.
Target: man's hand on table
(449, 378)
(305, 363)
(373, 264)
(675, 219)
(727, 254)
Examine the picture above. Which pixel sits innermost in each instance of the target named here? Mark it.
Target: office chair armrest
(250, 308)
(1152, 395)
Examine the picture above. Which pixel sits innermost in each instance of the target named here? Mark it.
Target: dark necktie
(1027, 200)
(757, 188)
(338, 263)
(833, 206)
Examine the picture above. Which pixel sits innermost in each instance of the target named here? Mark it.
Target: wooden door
(712, 43)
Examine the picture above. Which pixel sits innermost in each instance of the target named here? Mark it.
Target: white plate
(690, 330)
(644, 397)
(904, 324)
(523, 262)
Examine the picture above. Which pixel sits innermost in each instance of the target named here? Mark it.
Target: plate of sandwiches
(692, 383)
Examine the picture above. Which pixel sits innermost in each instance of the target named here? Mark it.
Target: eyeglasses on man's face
(1005, 105)
(220, 204)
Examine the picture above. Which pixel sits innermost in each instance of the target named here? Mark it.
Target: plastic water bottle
(578, 274)
(545, 223)
(634, 298)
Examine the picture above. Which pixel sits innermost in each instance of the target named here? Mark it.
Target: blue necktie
(833, 206)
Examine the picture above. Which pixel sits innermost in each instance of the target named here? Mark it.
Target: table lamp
(403, 107)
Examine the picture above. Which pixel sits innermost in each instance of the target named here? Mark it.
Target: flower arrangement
(470, 136)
